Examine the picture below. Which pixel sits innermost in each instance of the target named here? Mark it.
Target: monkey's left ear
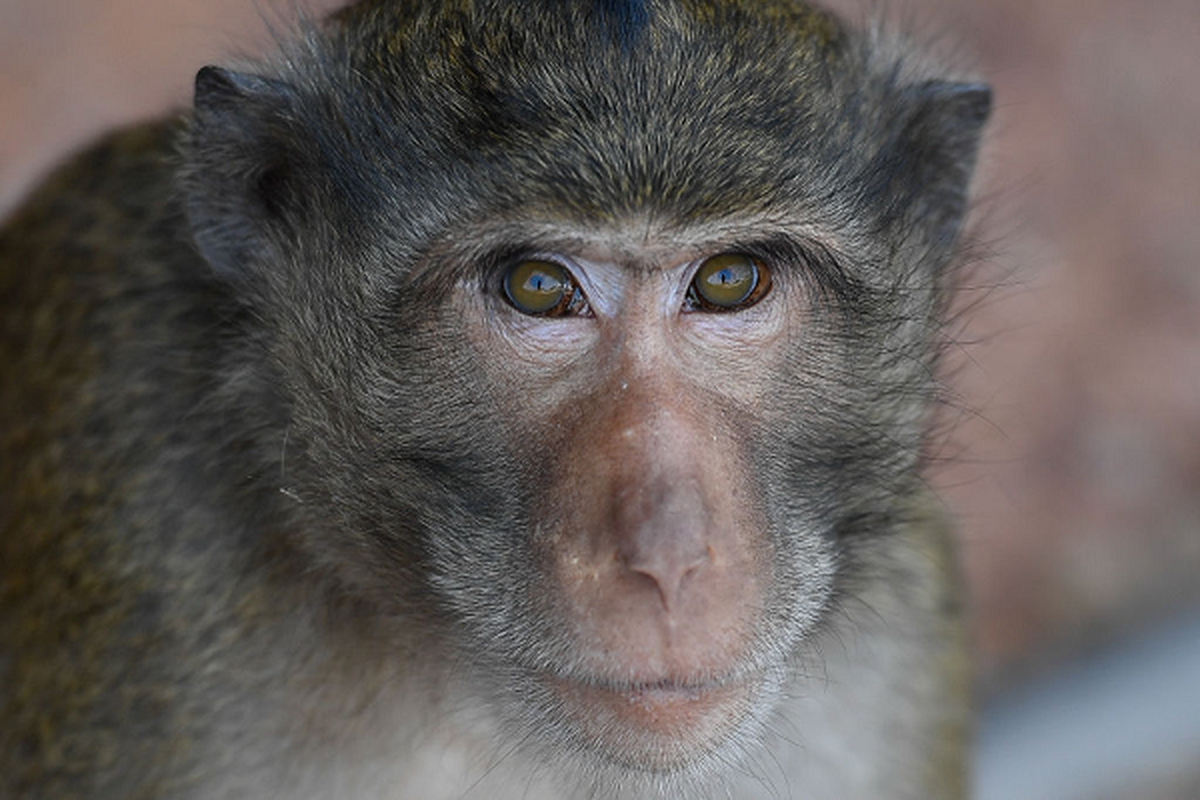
(928, 171)
(235, 179)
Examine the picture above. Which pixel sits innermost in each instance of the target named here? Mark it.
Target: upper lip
(668, 685)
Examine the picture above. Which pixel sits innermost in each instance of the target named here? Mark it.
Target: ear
(237, 178)
(931, 159)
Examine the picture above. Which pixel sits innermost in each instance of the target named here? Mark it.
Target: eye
(542, 289)
(728, 282)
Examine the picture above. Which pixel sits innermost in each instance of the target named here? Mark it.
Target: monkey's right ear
(237, 164)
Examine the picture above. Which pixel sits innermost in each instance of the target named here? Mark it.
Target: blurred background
(1073, 463)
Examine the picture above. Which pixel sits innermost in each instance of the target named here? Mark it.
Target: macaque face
(635, 380)
(600, 378)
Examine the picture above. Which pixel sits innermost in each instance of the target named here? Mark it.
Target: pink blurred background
(1076, 472)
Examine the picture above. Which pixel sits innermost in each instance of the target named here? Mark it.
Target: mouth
(665, 708)
(655, 725)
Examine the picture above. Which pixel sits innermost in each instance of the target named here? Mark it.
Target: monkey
(494, 399)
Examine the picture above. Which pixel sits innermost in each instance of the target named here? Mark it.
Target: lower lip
(660, 712)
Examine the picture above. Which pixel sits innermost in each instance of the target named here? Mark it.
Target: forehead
(687, 108)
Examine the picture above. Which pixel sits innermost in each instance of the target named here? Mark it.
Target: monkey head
(602, 334)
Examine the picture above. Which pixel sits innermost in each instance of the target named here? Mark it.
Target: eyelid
(499, 263)
(809, 263)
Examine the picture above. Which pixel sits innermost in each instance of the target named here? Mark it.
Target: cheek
(737, 357)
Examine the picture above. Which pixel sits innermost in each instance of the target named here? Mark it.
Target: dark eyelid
(809, 261)
(496, 263)
(777, 252)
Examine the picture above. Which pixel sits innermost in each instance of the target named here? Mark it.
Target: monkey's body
(253, 547)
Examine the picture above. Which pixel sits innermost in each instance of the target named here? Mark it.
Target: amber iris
(728, 281)
(537, 287)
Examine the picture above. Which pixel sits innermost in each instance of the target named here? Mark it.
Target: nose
(661, 532)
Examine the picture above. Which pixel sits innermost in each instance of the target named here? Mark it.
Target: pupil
(541, 283)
